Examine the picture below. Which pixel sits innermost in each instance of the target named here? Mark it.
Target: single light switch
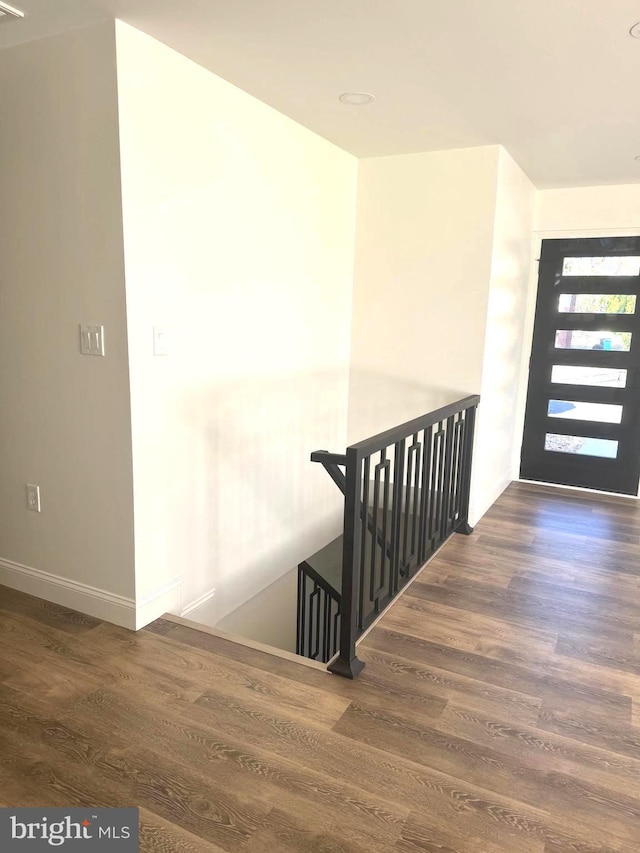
(160, 340)
(92, 340)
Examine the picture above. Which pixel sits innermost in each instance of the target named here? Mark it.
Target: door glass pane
(604, 413)
(608, 377)
(601, 266)
(583, 339)
(582, 445)
(596, 303)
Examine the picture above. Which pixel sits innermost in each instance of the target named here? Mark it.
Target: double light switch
(92, 340)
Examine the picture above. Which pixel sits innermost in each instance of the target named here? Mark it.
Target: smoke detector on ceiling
(9, 13)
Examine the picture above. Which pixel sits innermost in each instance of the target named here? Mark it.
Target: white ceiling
(554, 81)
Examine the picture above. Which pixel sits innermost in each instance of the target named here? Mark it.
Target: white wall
(504, 351)
(423, 260)
(424, 265)
(65, 417)
(239, 228)
(580, 210)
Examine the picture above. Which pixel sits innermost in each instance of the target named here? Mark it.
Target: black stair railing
(406, 491)
(318, 629)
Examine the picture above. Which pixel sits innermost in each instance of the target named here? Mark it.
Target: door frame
(527, 338)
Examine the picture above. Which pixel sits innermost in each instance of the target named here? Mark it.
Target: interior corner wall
(423, 260)
(504, 350)
(239, 233)
(65, 422)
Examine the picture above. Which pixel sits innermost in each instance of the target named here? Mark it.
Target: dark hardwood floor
(498, 711)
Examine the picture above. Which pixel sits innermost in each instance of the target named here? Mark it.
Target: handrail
(327, 458)
(390, 436)
(401, 501)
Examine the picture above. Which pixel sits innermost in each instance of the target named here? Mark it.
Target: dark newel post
(463, 525)
(347, 664)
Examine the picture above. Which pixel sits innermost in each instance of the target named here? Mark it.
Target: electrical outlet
(33, 497)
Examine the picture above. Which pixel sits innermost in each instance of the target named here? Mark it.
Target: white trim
(527, 342)
(69, 593)
(201, 609)
(197, 602)
(92, 600)
(577, 489)
(159, 602)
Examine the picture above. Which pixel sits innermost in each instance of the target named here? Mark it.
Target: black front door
(582, 420)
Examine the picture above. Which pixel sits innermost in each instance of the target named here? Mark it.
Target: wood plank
(46, 612)
(193, 738)
(399, 673)
(448, 801)
(536, 682)
(590, 806)
(420, 616)
(160, 836)
(532, 607)
(556, 753)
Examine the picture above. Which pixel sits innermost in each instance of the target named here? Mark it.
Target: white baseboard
(576, 488)
(201, 609)
(160, 601)
(91, 600)
(78, 596)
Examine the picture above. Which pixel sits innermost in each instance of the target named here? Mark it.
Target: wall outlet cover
(33, 497)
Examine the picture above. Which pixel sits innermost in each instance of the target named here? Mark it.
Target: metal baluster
(463, 525)
(368, 530)
(425, 496)
(384, 549)
(398, 476)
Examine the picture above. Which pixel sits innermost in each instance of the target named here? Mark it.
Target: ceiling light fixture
(357, 99)
(635, 31)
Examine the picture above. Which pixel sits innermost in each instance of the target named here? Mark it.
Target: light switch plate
(92, 340)
(160, 340)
